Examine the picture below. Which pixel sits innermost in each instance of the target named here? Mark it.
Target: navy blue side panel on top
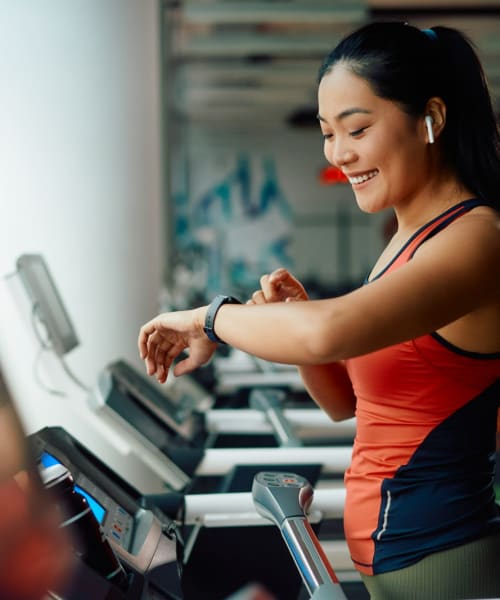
(444, 496)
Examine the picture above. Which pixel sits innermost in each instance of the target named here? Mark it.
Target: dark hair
(408, 66)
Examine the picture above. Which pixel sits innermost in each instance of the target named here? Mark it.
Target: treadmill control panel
(138, 537)
(116, 522)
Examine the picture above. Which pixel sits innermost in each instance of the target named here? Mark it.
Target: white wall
(80, 182)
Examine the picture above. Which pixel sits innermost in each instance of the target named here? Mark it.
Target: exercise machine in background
(243, 555)
(183, 442)
(204, 460)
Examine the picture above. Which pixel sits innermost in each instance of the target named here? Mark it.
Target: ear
(436, 109)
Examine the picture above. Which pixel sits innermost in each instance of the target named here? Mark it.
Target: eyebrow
(346, 113)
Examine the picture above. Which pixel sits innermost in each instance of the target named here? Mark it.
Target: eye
(358, 132)
(327, 136)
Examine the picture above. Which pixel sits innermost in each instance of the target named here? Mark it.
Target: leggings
(461, 573)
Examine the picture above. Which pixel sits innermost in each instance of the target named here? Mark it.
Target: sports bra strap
(430, 229)
(446, 218)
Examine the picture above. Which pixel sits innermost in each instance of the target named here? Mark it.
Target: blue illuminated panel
(48, 460)
(98, 510)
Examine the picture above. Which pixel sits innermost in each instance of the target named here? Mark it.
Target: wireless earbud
(430, 132)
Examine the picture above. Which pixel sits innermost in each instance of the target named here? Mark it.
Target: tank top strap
(431, 228)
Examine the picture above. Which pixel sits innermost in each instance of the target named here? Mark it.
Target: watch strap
(212, 310)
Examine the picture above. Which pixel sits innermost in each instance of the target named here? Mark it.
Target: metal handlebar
(284, 498)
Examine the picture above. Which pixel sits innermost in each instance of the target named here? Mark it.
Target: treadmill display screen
(48, 460)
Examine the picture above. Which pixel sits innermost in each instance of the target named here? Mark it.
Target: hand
(165, 337)
(279, 286)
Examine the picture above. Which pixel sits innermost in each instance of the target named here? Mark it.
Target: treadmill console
(115, 521)
(145, 546)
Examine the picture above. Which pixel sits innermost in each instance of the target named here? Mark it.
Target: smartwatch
(213, 307)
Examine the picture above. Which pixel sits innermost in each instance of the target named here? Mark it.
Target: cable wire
(45, 345)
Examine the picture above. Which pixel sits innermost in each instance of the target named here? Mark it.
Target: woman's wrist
(210, 314)
(200, 316)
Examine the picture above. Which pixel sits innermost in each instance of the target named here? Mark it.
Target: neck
(432, 201)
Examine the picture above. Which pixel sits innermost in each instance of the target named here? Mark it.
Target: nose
(341, 154)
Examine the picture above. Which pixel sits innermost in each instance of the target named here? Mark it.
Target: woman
(415, 352)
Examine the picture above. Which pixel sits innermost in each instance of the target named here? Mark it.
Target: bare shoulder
(472, 241)
(454, 277)
(467, 257)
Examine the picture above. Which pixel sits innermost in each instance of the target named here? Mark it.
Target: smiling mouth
(362, 178)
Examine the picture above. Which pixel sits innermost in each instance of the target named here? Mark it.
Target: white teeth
(362, 178)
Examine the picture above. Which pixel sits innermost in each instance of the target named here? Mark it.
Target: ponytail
(471, 137)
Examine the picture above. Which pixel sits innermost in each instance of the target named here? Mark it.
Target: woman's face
(377, 145)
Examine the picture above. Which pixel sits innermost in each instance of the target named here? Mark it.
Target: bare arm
(328, 385)
(454, 274)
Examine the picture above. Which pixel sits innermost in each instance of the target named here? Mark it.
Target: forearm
(276, 334)
(330, 387)
(296, 333)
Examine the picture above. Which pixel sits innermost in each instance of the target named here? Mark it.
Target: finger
(279, 273)
(166, 347)
(258, 297)
(161, 364)
(161, 372)
(264, 285)
(283, 283)
(269, 289)
(161, 353)
(183, 367)
(142, 341)
(189, 364)
(147, 331)
(288, 285)
(152, 346)
(166, 353)
(150, 365)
